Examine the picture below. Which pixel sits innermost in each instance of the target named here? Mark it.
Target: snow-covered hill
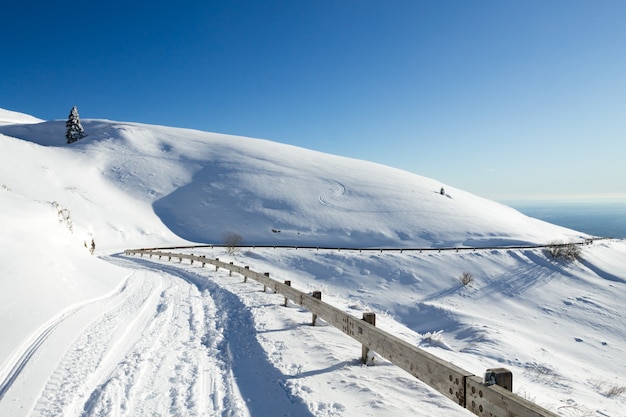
(12, 117)
(203, 185)
(559, 326)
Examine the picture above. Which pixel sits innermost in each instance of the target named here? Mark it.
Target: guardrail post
(371, 319)
(245, 277)
(499, 376)
(230, 271)
(203, 263)
(318, 295)
(217, 267)
(288, 283)
(267, 274)
(191, 259)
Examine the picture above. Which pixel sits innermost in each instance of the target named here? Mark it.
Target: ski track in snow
(154, 352)
(338, 198)
(338, 192)
(30, 350)
(40, 337)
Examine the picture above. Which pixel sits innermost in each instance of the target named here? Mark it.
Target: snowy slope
(134, 330)
(204, 185)
(12, 117)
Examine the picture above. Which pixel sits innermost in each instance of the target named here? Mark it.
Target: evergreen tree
(74, 130)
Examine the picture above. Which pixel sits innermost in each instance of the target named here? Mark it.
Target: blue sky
(505, 99)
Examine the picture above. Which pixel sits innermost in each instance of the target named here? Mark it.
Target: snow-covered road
(177, 340)
(152, 348)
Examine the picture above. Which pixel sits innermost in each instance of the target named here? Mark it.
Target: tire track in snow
(208, 382)
(252, 380)
(202, 383)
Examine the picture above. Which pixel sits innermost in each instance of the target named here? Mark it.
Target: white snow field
(113, 335)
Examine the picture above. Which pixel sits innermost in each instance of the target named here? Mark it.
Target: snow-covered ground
(99, 335)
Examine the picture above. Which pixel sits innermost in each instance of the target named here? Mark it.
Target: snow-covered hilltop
(203, 185)
(12, 117)
(105, 335)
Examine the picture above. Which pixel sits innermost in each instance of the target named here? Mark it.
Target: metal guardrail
(587, 241)
(455, 383)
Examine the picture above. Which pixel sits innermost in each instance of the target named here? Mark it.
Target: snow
(11, 117)
(106, 334)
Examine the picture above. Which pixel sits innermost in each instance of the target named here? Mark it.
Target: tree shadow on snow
(332, 368)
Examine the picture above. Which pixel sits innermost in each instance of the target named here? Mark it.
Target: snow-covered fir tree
(74, 130)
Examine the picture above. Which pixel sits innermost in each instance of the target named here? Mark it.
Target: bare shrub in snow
(607, 389)
(64, 216)
(526, 395)
(614, 391)
(545, 374)
(466, 279)
(566, 251)
(575, 411)
(233, 241)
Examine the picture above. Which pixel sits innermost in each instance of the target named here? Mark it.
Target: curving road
(184, 341)
(153, 348)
